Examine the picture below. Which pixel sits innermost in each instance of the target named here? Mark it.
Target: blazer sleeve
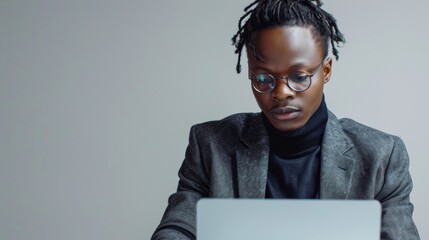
(179, 219)
(394, 197)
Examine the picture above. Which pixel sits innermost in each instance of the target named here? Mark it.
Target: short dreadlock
(272, 13)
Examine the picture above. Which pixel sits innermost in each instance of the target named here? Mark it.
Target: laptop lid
(274, 219)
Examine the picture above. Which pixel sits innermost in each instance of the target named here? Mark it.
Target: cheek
(261, 99)
(314, 97)
(316, 88)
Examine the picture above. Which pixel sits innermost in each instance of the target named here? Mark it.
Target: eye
(298, 77)
(263, 82)
(263, 78)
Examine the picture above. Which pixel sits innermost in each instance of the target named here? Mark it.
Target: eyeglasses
(265, 83)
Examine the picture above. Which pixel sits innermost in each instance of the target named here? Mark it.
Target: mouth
(285, 113)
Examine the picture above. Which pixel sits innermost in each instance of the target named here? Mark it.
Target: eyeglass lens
(266, 83)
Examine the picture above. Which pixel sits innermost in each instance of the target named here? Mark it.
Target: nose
(282, 91)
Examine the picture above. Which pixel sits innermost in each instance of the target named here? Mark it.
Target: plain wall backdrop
(97, 98)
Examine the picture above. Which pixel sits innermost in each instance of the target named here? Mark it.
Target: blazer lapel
(337, 161)
(252, 161)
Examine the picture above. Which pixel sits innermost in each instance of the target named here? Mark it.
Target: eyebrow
(296, 66)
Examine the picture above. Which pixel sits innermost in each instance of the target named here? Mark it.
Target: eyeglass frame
(285, 78)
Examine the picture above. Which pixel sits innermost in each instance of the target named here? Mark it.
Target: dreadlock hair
(272, 13)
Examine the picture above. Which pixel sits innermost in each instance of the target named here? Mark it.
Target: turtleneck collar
(298, 140)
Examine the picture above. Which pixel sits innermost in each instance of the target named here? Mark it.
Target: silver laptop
(263, 219)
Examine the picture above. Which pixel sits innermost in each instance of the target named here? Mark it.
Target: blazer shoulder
(364, 136)
(233, 125)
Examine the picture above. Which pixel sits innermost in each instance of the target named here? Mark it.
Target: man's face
(289, 50)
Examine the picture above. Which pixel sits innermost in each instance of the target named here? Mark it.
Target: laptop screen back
(256, 219)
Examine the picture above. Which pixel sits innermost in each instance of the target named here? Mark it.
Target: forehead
(285, 46)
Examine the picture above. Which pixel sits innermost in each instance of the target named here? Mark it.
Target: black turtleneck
(294, 164)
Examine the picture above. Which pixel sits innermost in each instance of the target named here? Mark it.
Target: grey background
(97, 98)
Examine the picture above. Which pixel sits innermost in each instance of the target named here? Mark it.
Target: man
(295, 148)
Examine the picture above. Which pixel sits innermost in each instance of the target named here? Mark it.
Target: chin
(289, 126)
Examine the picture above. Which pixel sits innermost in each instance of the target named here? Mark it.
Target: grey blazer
(229, 159)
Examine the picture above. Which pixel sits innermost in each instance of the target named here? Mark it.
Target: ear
(327, 69)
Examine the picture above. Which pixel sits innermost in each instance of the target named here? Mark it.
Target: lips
(285, 113)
